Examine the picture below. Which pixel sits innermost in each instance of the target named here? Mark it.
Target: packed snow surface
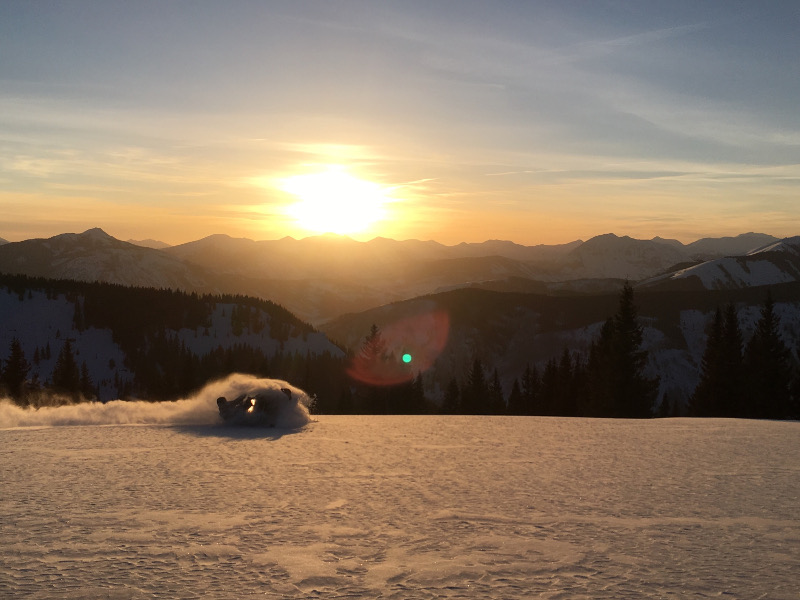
(399, 507)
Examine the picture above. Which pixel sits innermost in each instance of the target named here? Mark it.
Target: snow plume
(200, 409)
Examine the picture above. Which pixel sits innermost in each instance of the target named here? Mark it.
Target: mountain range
(320, 278)
(509, 304)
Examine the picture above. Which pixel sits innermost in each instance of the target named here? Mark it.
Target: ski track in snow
(402, 507)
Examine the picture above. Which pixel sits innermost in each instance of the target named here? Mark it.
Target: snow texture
(396, 507)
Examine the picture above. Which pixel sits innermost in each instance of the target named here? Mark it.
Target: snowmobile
(251, 409)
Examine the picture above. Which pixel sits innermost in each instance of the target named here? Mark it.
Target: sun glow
(333, 201)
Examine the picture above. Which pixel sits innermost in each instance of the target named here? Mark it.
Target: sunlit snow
(181, 506)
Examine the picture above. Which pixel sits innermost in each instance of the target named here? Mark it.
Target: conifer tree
(768, 369)
(86, 385)
(636, 393)
(516, 400)
(66, 377)
(705, 398)
(598, 396)
(531, 389)
(374, 347)
(451, 405)
(475, 393)
(15, 370)
(417, 401)
(497, 403)
(549, 390)
(730, 397)
(568, 376)
(615, 380)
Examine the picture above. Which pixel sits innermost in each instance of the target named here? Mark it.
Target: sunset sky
(531, 121)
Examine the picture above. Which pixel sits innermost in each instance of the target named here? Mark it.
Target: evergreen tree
(794, 404)
(475, 393)
(598, 396)
(635, 393)
(720, 392)
(78, 320)
(451, 405)
(549, 391)
(86, 385)
(66, 377)
(346, 403)
(370, 368)
(516, 400)
(767, 364)
(374, 347)
(417, 404)
(15, 371)
(615, 380)
(531, 390)
(497, 403)
(705, 399)
(568, 378)
(730, 398)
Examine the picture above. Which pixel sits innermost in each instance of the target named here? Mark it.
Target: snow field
(401, 507)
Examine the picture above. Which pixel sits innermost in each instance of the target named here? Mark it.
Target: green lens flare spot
(406, 358)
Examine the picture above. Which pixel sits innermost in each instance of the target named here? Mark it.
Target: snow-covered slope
(610, 256)
(321, 277)
(96, 256)
(149, 243)
(708, 248)
(489, 508)
(42, 322)
(509, 331)
(778, 262)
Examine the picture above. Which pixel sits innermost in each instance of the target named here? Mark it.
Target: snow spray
(200, 409)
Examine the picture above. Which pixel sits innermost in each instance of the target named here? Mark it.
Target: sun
(334, 201)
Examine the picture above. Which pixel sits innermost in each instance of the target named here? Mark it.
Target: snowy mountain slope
(510, 330)
(708, 248)
(96, 256)
(778, 262)
(334, 256)
(610, 256)
(40, 321)
(149, 243)
(322, 277)
(43, 318)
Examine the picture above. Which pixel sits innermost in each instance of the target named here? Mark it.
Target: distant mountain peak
(96, 233)
(149, 243)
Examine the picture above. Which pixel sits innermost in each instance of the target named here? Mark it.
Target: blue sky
(538, 122)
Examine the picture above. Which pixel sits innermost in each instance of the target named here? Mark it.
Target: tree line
(157, 364)
(753, 380)
(610, 381)
(756, 380)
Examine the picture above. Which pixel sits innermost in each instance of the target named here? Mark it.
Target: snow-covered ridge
(788, 245)
(775, 263)
(323, 277)
(42, 322)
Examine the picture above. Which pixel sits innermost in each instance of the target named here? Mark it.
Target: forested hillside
(722, 353)
(104, 341)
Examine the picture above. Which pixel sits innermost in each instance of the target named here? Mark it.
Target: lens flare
(410, 346)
